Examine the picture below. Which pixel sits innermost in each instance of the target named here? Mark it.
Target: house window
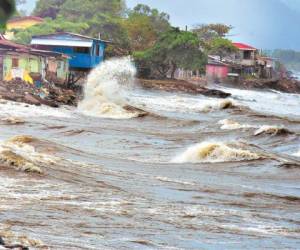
(82, 50)
(247, 55)
(15, 62)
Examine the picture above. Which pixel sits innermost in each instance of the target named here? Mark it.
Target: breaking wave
(216, 105)
(232, 125)
(17, 153)
(260, 129)
(105, 90)
(272, 130)
(215, 152)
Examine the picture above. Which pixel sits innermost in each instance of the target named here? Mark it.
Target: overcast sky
(262, 23)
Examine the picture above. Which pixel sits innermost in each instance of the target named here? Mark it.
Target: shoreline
(55, 95)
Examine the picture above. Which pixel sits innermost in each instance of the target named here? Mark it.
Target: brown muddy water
(190, 175)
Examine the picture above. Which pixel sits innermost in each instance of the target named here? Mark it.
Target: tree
(104, 17)
(48, 8)
(48, 27)
(211, 31)
(173, 49)
(144, 25)
(7, 7)
(208, 32)
(221, 47)
(159, 20)
(77, 9)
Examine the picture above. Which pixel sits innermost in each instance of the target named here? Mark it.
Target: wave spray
(106, 87)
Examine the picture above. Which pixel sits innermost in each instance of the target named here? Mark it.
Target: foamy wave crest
(272, 130)
(232, 125)
(216, 105)
(20, 155)
(104, 94)
(260, 129)
(214, 152)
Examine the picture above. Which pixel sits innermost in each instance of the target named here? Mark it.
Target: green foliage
(48, 8)
(77, 9)
(103, 17)
(209, 32)
(48, 27)
(144, 25)
(174, 49)
(142, 31)
(159, 20)
(221, 47)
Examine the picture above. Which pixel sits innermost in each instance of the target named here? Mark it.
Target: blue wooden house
(85, 52)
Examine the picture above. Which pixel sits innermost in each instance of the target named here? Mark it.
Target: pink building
(215, 69)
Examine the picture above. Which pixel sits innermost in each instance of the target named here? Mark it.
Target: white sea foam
(105, 90)
(297, 154)
(271, 130)
(260, 129)
(267, 102)
(22, 110)
(213, 152)
(233, 125)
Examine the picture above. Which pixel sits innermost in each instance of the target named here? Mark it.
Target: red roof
(18, 19)
(243, 46)
(8, 44)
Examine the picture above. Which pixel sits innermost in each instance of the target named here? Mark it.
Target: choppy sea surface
(196, 173)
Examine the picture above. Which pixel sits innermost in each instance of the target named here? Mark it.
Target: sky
(265, 24)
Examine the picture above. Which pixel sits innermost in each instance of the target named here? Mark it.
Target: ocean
(195, 173)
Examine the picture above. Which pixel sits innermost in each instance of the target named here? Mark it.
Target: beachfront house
(84, 52)
(246, 55)
(244, 61)
(20, 62)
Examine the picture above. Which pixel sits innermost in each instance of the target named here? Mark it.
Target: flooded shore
(189, 175)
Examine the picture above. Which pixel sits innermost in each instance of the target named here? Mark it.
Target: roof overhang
(66, 43)
(246, 49)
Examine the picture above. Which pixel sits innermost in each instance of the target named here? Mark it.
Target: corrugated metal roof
(9, 45)
(78, 36)
(67, 43)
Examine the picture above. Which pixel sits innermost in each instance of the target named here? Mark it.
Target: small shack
(216, 70)
(84, 52)
(19, 61)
